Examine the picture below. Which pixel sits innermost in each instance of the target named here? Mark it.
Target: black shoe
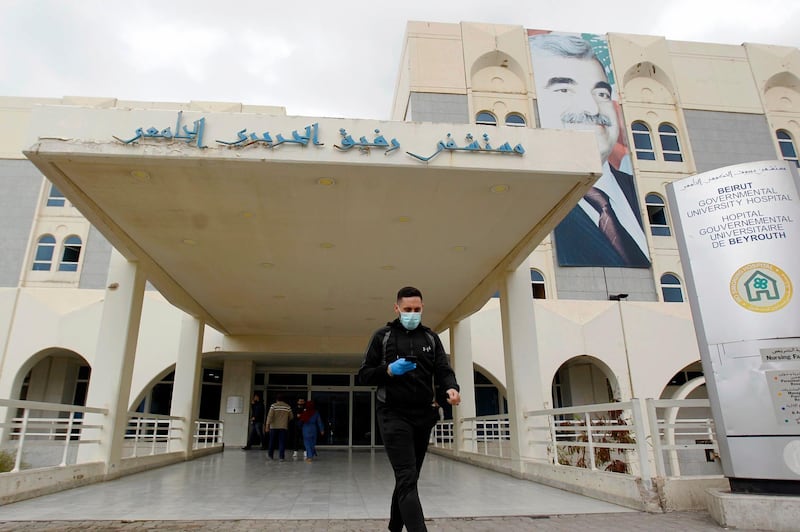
(246, 448)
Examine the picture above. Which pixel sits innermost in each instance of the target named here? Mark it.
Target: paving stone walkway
(627, 521)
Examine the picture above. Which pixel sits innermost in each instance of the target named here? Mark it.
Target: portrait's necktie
(610, 226)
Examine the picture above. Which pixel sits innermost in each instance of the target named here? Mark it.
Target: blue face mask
(410, 320)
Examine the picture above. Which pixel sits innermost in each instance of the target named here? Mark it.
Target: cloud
(316, 57)
(163, 47)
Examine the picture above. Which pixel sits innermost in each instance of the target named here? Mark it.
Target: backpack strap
(431, 341)
(386, 341)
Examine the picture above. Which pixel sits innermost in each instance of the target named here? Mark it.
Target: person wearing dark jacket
(408, 364)
(256, 425)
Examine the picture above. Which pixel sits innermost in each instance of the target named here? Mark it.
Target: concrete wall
(596, 283)
(69, 319)
(430, 107)
(21, 184)
(723, 138)
(95, 257)
(654, 340)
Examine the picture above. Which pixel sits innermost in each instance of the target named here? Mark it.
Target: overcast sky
(314, 57)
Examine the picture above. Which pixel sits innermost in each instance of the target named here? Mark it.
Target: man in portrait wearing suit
(573, 92)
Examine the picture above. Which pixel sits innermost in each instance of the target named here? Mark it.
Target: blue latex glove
(401, 365)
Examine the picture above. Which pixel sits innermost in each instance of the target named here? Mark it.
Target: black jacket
(257, 412)
(415, 388)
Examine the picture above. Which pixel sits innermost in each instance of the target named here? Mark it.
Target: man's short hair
(570, 46)
(408, 291)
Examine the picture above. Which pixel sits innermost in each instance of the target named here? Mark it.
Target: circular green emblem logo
(761, 287)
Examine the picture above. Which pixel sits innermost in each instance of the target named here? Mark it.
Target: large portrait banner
(575, 89)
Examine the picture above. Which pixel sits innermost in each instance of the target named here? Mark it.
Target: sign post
(738, 231)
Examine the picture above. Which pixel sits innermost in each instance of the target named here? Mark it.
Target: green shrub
(7, 460)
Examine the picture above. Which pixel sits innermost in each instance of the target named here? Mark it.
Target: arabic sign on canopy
(311, 135)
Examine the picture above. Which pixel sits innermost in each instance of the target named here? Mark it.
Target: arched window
(786, 144)
(44, 253)
(485, 118)
(515, 120)
(71, 254)
(537, 284)
(670, 147)
(56, 198)
(489, 399)
(642, 142)
(657, 215)
(671, 288)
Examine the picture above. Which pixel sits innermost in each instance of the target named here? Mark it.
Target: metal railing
(38, 434)
(207, 433)
(612, 437)
(38, 423)
(151, 433)
(689, 442)
(609, 437)
(443, 434)
(490, 435)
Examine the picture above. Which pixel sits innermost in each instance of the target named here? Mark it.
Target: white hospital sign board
(741, 226)
(738, 231)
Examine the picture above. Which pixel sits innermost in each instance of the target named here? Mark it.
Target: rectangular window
(288, 379)
(56, 198)
(672, 295)
(326, 379)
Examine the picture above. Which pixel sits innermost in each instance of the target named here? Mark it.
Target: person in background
(256, 425)
(295, 430)
(403, 360)
(311, 424)
(277, 425)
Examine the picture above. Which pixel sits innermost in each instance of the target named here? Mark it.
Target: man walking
(256, 425)
(277, 425)
(407, 362)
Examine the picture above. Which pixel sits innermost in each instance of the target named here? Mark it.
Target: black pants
(295, 436)
(256, 434)
(280, 435)
(405, 438)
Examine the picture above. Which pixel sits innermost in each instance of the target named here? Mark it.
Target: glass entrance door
(362, 418)
(347, 409)
(334, 408)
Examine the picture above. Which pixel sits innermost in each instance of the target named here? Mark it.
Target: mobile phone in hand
(411, 358)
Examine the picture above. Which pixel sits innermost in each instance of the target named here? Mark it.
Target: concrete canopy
(309, 240)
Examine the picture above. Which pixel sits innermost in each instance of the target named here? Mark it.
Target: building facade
(607, 320)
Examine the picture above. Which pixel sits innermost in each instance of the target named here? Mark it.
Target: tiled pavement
(629, 522)
(344, 491)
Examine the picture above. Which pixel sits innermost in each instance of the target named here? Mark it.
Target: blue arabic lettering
(472, 146)
(154, 133)
(244, 139)
(364, 145)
